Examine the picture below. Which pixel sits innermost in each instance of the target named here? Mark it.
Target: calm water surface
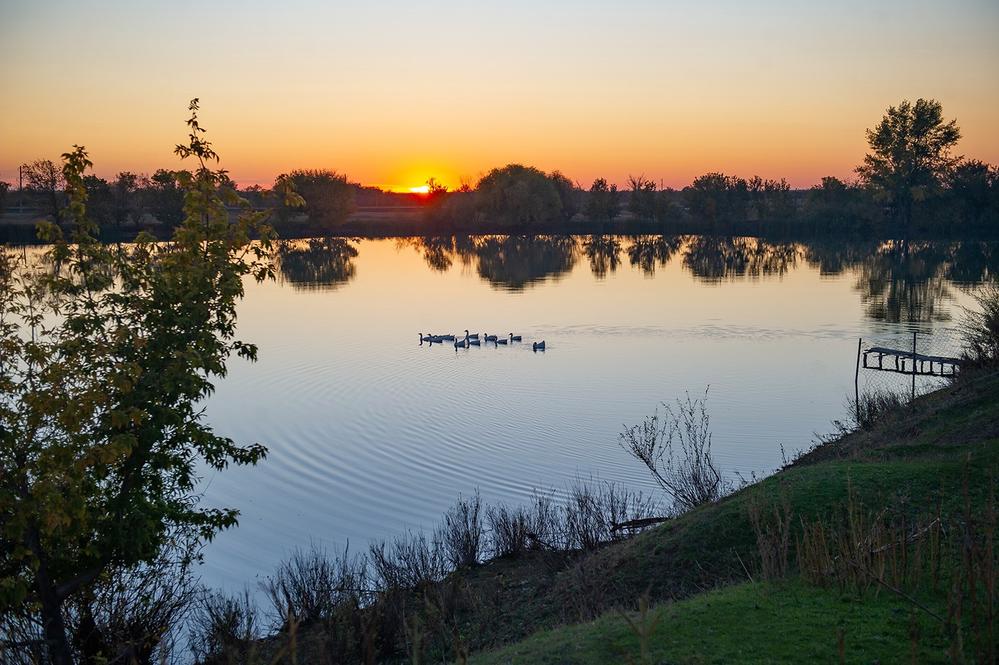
(371, 433)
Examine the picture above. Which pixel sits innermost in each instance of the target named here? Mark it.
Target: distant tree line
(910, 180)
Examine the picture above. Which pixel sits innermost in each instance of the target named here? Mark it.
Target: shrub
(311, 586)
(874, 406)
(329, 198)
(461, 536)
(594, 510)
(509, 529)
(224, 628)
(408, 562)
(980, 329)
(676, 448)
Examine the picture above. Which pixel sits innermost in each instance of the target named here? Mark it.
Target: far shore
(18, 228)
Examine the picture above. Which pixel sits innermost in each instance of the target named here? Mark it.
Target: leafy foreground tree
(910, 156)
(106, 353)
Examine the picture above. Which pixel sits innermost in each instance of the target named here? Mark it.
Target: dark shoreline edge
(24, 233)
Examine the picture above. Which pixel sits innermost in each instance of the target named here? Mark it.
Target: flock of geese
(472, 339)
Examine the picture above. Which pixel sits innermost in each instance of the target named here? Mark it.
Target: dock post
(913, 367)
(856, 381)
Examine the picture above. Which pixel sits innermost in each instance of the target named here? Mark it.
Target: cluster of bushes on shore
(367, 602)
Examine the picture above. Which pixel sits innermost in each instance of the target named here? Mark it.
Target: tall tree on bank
(106, 355)
(45, 178)
(910, 155)
(603, 201)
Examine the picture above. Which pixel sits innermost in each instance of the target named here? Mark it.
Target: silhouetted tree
(163, 198)
(435, 189)
(838, 205)
(715, 197)
(910, 155)
(568, 194)
(100, 201)
(124, 192)
(517, 194)
(603, 201)
(44, 178)
(972, 190)
(642, 198)
(329, 198)
(770, 199)
(4, 189)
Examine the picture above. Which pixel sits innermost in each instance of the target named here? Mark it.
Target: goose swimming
(538, 346)
(472, 336)
(515, 338)
(488, 337)
(460, 344)
(502, 340)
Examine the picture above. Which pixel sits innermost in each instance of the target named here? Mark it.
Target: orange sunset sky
(392, 93)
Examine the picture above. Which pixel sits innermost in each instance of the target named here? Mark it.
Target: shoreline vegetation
(910, 184)
(875, 544)
(878, 544)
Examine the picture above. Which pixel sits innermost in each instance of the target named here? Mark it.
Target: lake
(372, 433)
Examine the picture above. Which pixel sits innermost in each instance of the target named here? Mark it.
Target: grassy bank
(705, 568)
(747, 622)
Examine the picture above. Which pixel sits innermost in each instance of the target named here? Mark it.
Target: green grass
(758, 623)
(914, 461)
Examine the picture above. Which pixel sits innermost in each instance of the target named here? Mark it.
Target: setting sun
(422, 189)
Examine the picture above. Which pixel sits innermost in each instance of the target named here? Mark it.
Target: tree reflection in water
(903, 281)
(714, 259)
(907, 281)
(317, 263)
(604, 253)
(514, 262)
(650, 252)
(898, 281)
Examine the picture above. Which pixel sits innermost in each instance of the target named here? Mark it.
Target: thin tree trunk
(53, 626)
(56, 638)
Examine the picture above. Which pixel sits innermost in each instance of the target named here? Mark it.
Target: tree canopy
(106, 354)
(910, 155)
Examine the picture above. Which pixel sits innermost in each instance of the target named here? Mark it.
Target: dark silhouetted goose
(502, 340)
(488, 337)
(538, 346)
(515, 338)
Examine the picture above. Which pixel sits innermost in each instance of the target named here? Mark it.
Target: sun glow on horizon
(782, 89)
(422, 189)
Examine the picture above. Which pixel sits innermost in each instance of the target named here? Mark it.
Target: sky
(391, 93)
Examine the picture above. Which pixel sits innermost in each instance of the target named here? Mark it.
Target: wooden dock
(907, 362)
